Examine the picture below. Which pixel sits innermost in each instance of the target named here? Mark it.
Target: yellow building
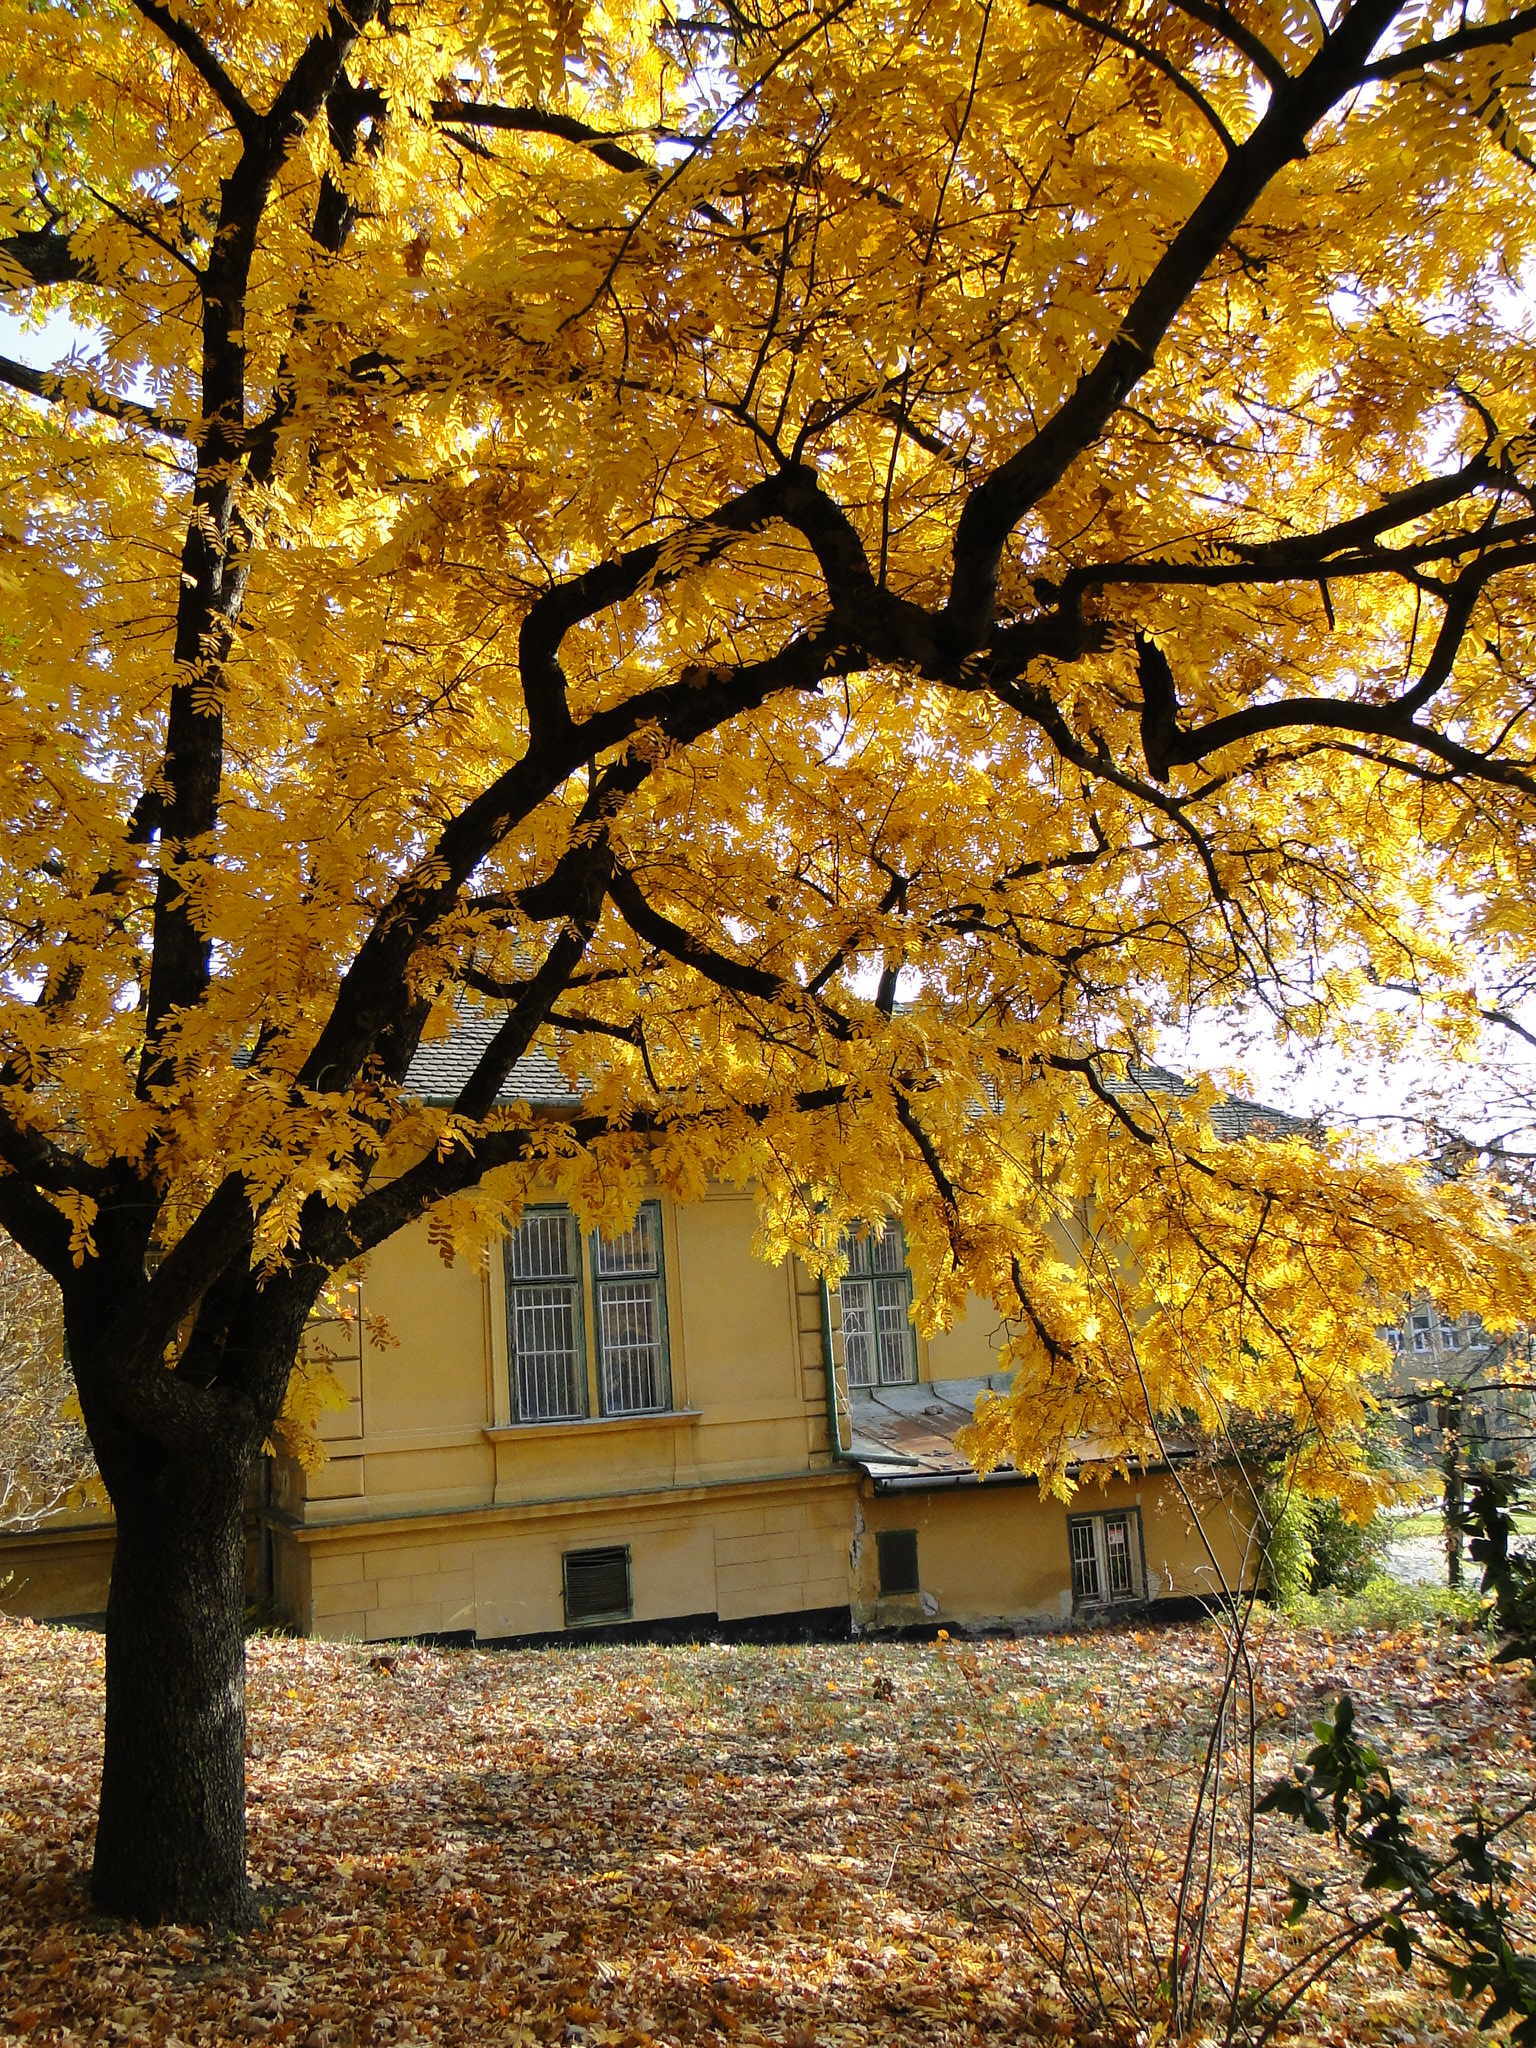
(658, 1429)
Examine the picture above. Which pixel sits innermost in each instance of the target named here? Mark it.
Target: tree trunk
(1455, 1487)
(170, 1839)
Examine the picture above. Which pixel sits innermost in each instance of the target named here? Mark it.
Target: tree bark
(170, 1839)
(1451, 1428)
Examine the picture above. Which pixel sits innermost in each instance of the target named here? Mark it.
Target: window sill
(520, 1432)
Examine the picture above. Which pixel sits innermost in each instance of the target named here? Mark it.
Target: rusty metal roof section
(908, 1433)
(904, 1437)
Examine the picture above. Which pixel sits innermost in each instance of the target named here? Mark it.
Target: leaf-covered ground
(851, 1842)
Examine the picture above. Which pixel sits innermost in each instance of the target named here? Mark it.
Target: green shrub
(1346, 1555)
(1389, 1605)
(1288, 1553)
(1313, 1548)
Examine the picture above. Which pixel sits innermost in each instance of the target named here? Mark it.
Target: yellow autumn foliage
(677, 531)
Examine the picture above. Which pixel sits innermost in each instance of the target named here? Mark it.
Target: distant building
(1449, 1373)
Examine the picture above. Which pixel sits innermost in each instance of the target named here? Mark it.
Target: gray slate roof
(443, 1065)
(1231, 1115)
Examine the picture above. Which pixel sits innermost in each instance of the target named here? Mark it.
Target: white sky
(1361, 1086)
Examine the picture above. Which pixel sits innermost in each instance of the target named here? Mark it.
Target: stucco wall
(437, 1512)
(56, 1573)
(987, 1556)
(999, 1553)
(969, 1350)
(431, 1425)
(734, 1551)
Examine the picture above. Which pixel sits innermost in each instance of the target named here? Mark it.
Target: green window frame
(546, 1336)
(875, 1295)
(629, 1320)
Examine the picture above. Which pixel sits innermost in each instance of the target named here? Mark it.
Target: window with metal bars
(879, 1343)
(545, 1340)
(630, 1297)
(1106, 1557)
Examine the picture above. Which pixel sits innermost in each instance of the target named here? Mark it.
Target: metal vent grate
(597, 1585)
(898, 1560)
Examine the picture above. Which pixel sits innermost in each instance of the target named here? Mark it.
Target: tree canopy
(840, 566)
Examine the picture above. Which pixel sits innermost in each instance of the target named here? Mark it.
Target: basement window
(597, 1585)
(1106, 1558)
(897, 1552)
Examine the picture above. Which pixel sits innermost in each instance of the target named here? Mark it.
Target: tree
(682, 528)
(1487, 1426)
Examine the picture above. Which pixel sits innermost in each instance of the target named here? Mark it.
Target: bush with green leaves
(1312, 1547)
(1346, 1555)
(1451, 1909)
(1494, 1496)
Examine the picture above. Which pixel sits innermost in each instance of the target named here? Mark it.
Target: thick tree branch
(43, 257)
(182, 36)
(1483, 35)
(912, 1124)
(884, 626)
(607, 149)
(1055, 1350)
(1350, 547)
(1159, 706)
(585, 875)
(369, 997)
(527, 1015)
(1510, 1023)
(1064, 1063)
(335, 1237)
(66, 388)
(215, 564)
(996, 506)
(219, 1236)
(540, 121)
(37, 1226)
(1112, 33)
(1394, 719)
(737, 977)
(1231, 30)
